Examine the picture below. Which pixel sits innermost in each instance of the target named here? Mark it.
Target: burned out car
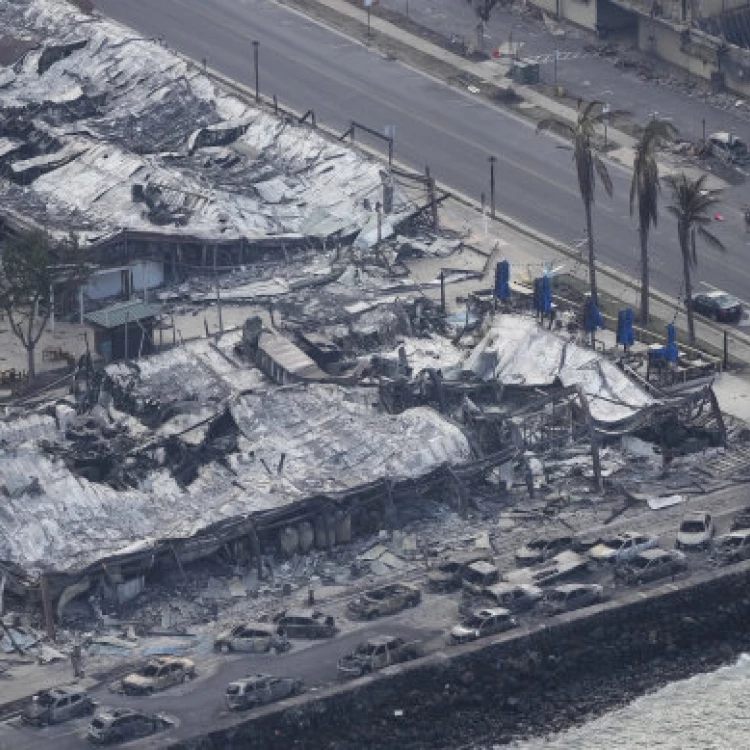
(112, 725)
(561, 566)
(376, 653)
(57, 705)
(571, 596)
(541, 549)
(741, 520)
(696, 531)
(652, 565)
(386, 600)
(623, 547)
(728, 148)
(305, 623)
(251, 639)
(159, 674)
(516, 597)
(259, 689)
(732, 547)
(448, 574)
(481, 623)
(478, 576)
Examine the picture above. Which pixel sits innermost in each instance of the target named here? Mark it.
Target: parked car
(123, 724)
(696, 531)
(623, 547)
(516, 597)
(653, 565)
(741, 520)
(542, 548)
(386, 600)
(376, 653)
(251, 639)
(481, 623)
(570, 596)
(159, 674)
(718, 306)
(57, 705)
(732, 547)
(305, 623)
(728, 148)
(478, 576)
(561, 566)
(259, 689)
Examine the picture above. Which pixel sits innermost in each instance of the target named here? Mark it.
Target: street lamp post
(492, 186)
(256, 44)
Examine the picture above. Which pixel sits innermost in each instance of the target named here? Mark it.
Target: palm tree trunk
(643, 232)
(688, 290)
(31, 364)
(592, 259)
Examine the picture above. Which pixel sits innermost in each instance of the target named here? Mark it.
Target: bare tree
(645, 190)
(691, 206)
(29, 267)
(588, 165)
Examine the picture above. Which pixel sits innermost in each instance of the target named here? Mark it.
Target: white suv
(696, 531)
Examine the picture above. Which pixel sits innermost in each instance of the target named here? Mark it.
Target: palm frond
(711, 239)
(559, 126)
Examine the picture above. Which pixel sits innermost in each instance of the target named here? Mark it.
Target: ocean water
(705, 712)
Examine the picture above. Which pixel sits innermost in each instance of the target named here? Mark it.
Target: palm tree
(588, 165)
(691, 204)
(645, 188)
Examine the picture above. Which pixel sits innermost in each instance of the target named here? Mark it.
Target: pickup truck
(376, 653)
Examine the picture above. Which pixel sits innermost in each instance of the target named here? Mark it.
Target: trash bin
(525, 72)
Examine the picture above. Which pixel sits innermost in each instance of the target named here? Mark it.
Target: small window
(63, 702)
(75, 698)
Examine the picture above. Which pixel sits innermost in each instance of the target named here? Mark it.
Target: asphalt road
(307, 65)
(200, 703)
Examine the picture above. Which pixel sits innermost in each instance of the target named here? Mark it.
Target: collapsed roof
(52, 519)
(517, 351)
(103, 131)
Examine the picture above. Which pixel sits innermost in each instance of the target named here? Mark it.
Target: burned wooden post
(594, 438)
(462, 495)
(389, 506)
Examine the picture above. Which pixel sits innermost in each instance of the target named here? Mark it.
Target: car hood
(34, 711)
(350, 662)
(461, 632)
(138, 680)
(526, 553)
(689, 538)
(602, 552)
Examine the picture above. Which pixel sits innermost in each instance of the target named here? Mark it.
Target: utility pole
(256, 44)
(492, 186)
(555, 79)
(431, 197)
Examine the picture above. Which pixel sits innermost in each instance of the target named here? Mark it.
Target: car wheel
(413, 602)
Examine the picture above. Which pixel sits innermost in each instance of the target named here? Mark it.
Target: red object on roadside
(496, 53)
(718, 217)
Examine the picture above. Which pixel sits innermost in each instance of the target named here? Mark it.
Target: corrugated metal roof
(117, 315)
